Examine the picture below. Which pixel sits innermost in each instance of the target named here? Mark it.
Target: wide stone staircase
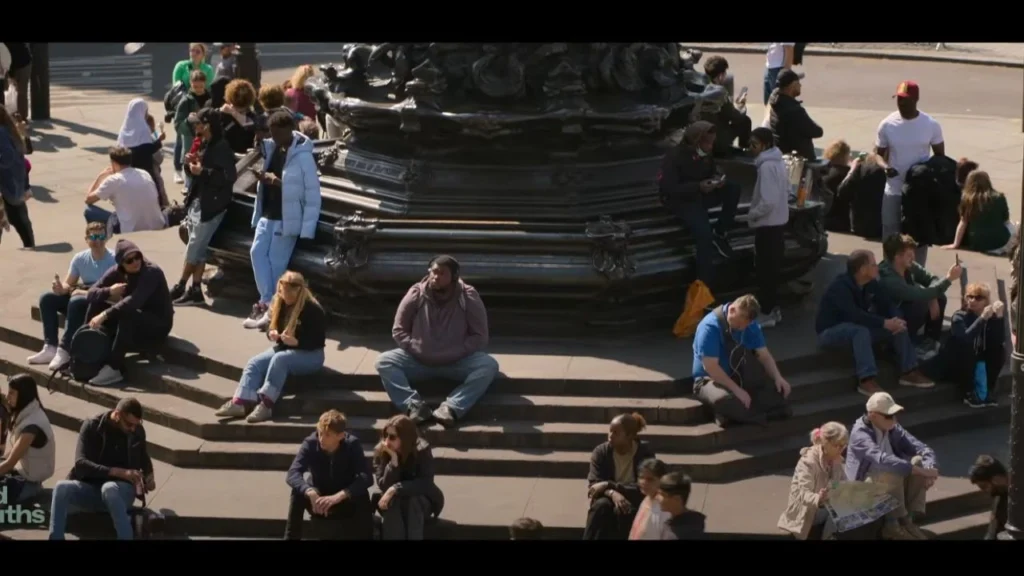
(524, 450)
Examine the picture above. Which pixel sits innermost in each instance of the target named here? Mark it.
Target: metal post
(248, 64)
(1015, 511)
(39, 81)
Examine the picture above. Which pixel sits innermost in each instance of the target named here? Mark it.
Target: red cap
(908, 89)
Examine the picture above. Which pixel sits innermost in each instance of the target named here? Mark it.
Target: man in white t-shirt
(132, 192)
(905, 138)
(779, 58)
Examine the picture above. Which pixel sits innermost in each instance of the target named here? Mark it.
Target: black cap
(786, 77)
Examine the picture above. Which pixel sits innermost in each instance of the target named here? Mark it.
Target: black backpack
(90, 349)
(173, 98)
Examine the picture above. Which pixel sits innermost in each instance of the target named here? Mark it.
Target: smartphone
(743, 93)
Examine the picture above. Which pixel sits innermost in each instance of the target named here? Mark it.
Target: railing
(938, 46)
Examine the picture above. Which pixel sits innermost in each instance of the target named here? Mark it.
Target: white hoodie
(770, 204)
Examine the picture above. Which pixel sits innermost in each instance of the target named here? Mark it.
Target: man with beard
(990, 476)
(792, 125)
(441, 332)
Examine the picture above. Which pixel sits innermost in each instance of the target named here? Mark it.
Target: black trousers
(18, 217)
(350, 520)
(132, 331)
(604, 522)
(963, 358)
(917, 315)
(734, 127)
(769, 251)
(694, 216)
(765, 402)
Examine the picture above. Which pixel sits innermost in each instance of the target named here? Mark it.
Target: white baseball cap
(882, 403)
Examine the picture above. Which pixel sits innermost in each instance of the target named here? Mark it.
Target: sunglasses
(96, 237)
(132, 259)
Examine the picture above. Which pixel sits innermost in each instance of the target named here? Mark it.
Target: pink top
(303, 104)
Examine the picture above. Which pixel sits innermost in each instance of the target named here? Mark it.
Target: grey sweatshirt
(769, 205)
(439, 332)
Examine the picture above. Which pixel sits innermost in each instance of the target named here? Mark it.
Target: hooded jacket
(300, 187)
(146, 290)
(414, 477)
(792, 126)
(439, 332)
(970, 329)
(769, 206)
(213, 185)
(844, 301)
(684, 167)
(103, 445)
(13, 170)
(347, 468)
(915, 285)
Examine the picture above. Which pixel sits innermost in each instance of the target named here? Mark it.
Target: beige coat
(809, 478)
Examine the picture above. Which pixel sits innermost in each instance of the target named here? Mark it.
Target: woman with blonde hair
(298, 330)
(404, 466)
(985, 224)
(295, 94)
(819, 470)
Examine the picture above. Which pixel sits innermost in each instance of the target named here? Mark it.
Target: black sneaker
(177, 291)
(972, 401)
(420, 414)
(193, 297)
(721, 244)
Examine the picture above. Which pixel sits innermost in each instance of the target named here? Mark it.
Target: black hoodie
(792, 126)
(146, 291)
(214, 183)
(103, 445)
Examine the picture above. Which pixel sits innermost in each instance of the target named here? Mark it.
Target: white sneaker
(260, 414)
(257, 323)
(59, 360)
(107, 377)
(178, 178)
(44, 356)
(230, 410)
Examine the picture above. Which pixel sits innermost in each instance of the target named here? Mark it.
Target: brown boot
(915, 379)
(896, 531)
(869, 387)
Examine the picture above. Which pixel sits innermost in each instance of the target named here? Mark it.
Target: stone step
(966, 527)
(235, 504)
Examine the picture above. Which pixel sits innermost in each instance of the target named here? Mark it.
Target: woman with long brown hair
(298, 330)
(985, 224)
(295, 95)
(404, 467)
(14, 178)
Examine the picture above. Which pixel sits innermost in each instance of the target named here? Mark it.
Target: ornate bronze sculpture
(534, 164)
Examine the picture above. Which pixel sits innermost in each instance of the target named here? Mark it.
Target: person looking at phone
(68, 296)
(855, 314)
(133, 193)
(976, 348)
(730, 123)
(788, 119)
(195, 100)
(905, 138)
(404, 466)
(689, 184)
(111, 459)
(213, 177)
(287, 208)
(883, 452)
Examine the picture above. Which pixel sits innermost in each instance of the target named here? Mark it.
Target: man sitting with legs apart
(131, 302)
(991, 477)
(883, 452)
(68, 297)
(733, 372)
(132, 192)
(855, 314)
(919, 294)
(112, 466)
(329, 478)
(441, 332)
(731, 122)
(298, 332)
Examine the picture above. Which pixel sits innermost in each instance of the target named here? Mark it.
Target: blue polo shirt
(709, 341)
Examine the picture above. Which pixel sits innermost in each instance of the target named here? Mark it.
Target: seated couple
(133, 193)
(122, 294)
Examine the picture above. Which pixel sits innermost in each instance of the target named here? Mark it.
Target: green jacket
(918, 285)
(183, 69)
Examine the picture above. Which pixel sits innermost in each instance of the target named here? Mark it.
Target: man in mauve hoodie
(441, 332)
(132, 302)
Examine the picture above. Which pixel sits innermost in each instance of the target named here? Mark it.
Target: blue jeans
(271, 251)
(114, 496)
(94, 213)
(266, 372)
(771, 78)
(862, 340)
(398, 368)
(694, 216)
(178, 145)
(73, 307)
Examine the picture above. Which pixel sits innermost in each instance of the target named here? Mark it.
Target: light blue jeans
(266, 372)
(862, 340)
(271, 252)
(398, 368)
(114, 497)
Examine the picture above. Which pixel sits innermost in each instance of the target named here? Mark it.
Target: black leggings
(17, 215)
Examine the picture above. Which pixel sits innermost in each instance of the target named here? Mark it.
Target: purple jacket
(863, 452)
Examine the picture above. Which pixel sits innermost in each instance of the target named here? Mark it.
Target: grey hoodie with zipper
(769, 206)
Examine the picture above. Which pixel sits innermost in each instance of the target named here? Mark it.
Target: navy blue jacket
(346, 469)
(844, 301)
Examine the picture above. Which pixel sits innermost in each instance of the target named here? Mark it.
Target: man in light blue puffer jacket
(287, 208)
